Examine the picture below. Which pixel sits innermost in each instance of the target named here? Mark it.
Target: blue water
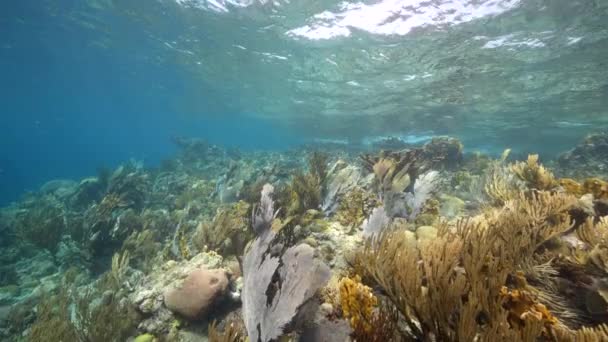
(68, 109)
(86, 84)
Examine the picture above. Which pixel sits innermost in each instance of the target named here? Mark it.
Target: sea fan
(270, 304)
(376, 222)
(424, 187)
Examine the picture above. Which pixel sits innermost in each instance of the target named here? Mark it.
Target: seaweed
(118, 271)
(233, 332)
(201, 191)
(143, 247)
(92, 315)
(305, 191)
(317, 165)
(53, 321)
(228, 233)
(130, 185)
(42, 223)
(356, 205)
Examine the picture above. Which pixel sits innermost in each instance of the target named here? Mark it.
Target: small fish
(571, 124)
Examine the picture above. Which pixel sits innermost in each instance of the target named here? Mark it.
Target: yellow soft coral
(595, 186)
(357, 302)
(572, 187)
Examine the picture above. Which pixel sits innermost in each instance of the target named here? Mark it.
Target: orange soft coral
(522, 307)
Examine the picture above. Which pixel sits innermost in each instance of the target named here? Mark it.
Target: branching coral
(451, 288)
(108, 204)
(534, 174)
(585, 334)
(305, 193)
(498, 185)
(389, 178)
(395, 169)
(201, 191)
(306, 189)
(499, 181)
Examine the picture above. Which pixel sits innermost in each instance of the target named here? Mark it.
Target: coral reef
(422, 243)
(588, 159)
(473, 268)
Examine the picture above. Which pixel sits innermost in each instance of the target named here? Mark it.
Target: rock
(61, 188)
(5, 311)
(197, 293)
(445, 151)
(69, 254)
(191, 336)
(400, 182)
(341, 178)
(339, 242)
(326, 330)
(159, 323)
(451, 206)
(588, 159)
(8, 294)
(230, 193)
(410, 238)
(144, 338)
(311, 241)
(426, 232)
(89, 190)
(326, 309)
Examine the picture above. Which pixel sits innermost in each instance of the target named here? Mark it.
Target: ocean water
(90, 85)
